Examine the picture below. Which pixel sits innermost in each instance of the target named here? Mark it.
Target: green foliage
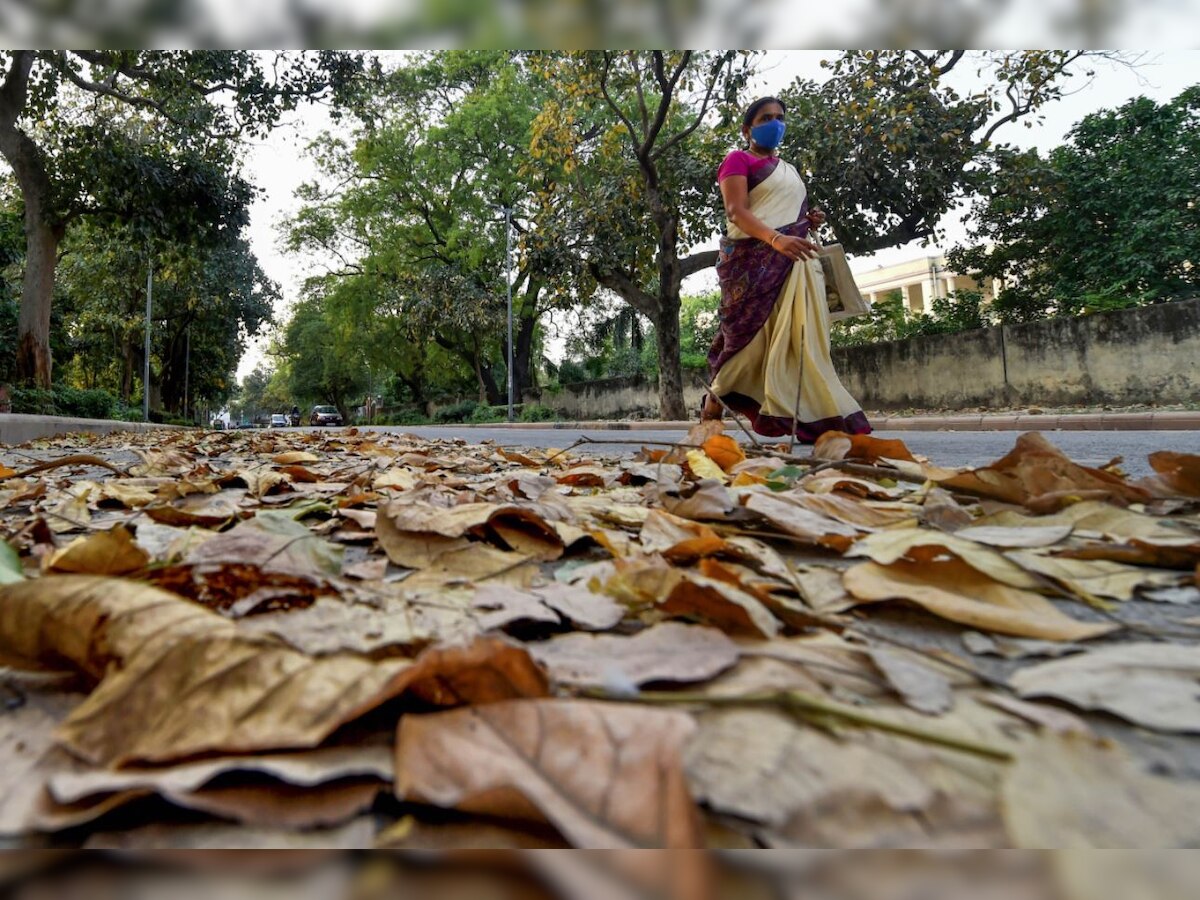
(457, 413)
(698, 325)
(535, 412)
(63, 400)
(889, 320)
(891, 141)
(1107, 221)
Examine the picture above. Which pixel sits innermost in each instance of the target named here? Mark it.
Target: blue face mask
(768, 134)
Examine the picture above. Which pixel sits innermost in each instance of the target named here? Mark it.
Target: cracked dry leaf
(921, 686)
(607, 776)
(1072, 792)
(1090, 578)
(1153, 685)
(499, 605)
(72, 512)
(668, 652)
(585, 609)
(923, 546)
(954, 590)
(103, 553)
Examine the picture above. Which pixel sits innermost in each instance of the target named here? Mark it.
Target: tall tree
(628, 146)
(892, 139)
(1110, 219)
(194, 100)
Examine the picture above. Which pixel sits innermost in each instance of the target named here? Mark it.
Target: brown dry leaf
(204, 511)
(292, 457)
(669, 651)
(960, 593)
(1031, 535)
(724, 451)
(1090, 578)
(1038, 475)
(473, 564)
(920, 545)
(921, 686)
(418, 535)
(357, 834)
(498, 605)
(584, 476)
(832, 446)
(711, 500)
(811, 788)
(397, 477)
(261, 480)
(732, 610)
(276, 545)
(941, 511)
(585, 609)
(864, 514)
(70, 513)
(792, 517)
(1178, 471)
(130, 493)
(177, 681)
(678, 539)
(1071, 792)
(1153, 685)
(103, 553)
(605, 775)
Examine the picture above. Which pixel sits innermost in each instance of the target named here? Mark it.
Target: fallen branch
(81, 459)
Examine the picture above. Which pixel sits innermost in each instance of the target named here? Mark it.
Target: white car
(279, 420)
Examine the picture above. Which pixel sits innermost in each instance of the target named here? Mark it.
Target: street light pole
(146, 365)
(508, 280)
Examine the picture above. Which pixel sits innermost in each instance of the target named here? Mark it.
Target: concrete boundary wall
(1123, 357)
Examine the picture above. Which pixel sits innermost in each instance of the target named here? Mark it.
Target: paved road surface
(948, 448)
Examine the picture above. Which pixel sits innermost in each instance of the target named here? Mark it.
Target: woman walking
(770, 359)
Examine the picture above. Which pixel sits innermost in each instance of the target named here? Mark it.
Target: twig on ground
(817, 710)
(799, 391)
(76, 460)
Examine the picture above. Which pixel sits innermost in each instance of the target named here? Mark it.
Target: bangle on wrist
(773, 239)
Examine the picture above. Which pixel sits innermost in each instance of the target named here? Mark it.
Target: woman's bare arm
(735, 193)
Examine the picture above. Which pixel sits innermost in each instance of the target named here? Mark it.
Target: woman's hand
(816, 217)
(795, 247)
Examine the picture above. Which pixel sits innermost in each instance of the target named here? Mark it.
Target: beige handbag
(841, 293)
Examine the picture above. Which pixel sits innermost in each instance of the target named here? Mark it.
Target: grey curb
(1149, 421)
(17, 428)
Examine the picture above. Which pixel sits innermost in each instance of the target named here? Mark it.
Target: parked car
(279, 420)
(218, 424)
(325, 415)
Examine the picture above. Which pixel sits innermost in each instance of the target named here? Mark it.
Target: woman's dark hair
(753, 108)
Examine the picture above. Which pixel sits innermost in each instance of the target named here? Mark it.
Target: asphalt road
(947, 448)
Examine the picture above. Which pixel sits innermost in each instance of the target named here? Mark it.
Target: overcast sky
(279, 164)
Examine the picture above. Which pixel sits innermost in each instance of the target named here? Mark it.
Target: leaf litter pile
(358, 639)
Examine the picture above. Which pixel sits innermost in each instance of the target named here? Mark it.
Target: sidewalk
(17, 428)
(1143, 421)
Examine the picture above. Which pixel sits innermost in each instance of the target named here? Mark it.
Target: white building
(920, 282)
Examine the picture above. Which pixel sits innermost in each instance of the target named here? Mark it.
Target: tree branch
(612, 103)
(697, 262)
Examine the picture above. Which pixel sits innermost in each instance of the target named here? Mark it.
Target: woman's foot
(711, 410)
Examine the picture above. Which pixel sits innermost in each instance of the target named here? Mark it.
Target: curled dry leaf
(916, 545)
(1089, 578)
(1180, 472)
(607, 776)
(1038, 475)
(669, 651)
(678, 539)
(724, 451)
(721, 604)
(1153, 685)
(177, 681)
(960, 593)
(792, 517)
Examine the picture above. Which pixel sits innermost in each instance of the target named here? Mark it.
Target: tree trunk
(42, 231)
(670, 373)
(523, 354)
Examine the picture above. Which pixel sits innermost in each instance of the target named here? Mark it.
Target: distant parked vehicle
(325, 415)
(294, 416)
(279, 420)
(218, 424)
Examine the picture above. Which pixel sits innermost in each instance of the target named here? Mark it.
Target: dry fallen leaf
(1152, 685)
(667, 652)
(607, 776)
(1072, 792)
(960, 593)
(104, 553)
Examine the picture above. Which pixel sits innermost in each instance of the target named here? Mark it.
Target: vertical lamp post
(508, 281)
(146, 365)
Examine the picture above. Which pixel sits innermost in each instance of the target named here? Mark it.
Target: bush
(459, 412)
(406, 417)
(535, 412)
(64, 400)
(484, 414)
